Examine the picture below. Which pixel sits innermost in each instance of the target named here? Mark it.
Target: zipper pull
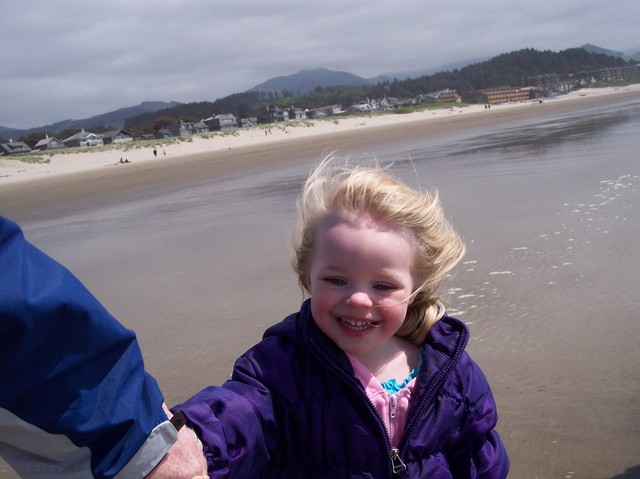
(396, 462)
(393, 410)
(393, 405)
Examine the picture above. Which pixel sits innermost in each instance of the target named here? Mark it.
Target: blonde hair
(345, 189)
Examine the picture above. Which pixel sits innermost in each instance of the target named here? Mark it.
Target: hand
(185, 459)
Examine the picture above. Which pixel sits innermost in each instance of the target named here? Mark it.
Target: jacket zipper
(395, 464)
(396, 461)
(393, 411)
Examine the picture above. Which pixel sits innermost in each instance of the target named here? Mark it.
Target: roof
(14, 147)
(45, 141)
(78, 136)
(112, 133)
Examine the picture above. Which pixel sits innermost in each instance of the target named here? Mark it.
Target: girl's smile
(356, 325)
(360, 279)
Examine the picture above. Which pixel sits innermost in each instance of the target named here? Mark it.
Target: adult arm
(75, 399)
(185, 459)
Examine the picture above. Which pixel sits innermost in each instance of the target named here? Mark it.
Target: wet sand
(43, 196)
(546, 287)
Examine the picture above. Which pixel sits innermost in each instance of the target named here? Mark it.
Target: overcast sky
(74, 59)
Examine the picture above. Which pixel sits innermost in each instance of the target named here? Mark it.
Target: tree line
(506, 70)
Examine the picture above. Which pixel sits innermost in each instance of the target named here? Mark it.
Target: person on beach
(370, 377)
(75, 399)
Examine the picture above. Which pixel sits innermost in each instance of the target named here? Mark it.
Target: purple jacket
(294, 408)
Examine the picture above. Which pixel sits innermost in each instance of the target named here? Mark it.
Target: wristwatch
(178, 420)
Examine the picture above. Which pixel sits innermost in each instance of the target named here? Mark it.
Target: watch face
(178, 420)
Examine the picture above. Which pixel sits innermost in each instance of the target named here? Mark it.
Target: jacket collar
(444, 345)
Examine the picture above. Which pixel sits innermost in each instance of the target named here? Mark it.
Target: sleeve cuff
(151, 453)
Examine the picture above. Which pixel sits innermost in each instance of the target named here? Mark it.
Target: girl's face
(360, 283)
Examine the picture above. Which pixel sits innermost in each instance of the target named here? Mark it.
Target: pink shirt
(393, 408)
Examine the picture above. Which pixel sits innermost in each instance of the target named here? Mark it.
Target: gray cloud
(72, 59)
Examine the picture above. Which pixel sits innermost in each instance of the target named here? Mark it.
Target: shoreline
(63, 163)
(73, 181)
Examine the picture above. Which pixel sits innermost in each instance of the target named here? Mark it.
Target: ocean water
(549, 208)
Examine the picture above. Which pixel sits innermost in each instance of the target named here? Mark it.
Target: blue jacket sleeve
(69, 369)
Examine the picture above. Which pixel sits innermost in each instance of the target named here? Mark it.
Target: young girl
(369, 378)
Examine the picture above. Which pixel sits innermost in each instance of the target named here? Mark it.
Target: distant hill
(502, 70)
(442, 68)
(508, 70)
(115, 119)
(596, 49)
(612, 53)
(306, 81)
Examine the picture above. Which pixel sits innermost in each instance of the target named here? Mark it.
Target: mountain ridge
(307, 80)
(613, 53)
(304, 80)
(115, 118)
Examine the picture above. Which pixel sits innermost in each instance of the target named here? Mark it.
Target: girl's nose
(360, 299)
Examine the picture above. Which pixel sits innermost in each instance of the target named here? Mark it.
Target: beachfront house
(222, 122)
(162, 133)
(49, 143)
(249, 121)
(13, 148)
(181, 128)
(83, 138)
(200, 128)
(357, 108)
(442, 96)
(296, 113)
(116, 136)
(227, 121)
(323, 111)
(508, 95)
(393, 103)
(273, 114)
(550, 84)
(364, 107)
(626, 72)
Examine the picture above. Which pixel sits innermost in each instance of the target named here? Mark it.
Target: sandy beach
(79, 180)
(270, 136)
(191, 251)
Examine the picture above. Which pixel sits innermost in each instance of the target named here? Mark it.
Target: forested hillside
(506, 70)
(511, 70)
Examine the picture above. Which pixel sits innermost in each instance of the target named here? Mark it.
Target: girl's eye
(384, 287)
(336, 281)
